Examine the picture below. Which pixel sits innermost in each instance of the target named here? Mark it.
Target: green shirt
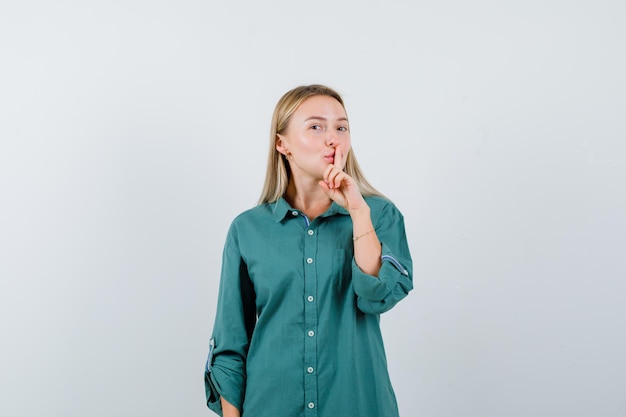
(297, 325)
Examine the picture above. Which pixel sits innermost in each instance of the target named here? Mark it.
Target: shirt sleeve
(376, 295)
(225, 373)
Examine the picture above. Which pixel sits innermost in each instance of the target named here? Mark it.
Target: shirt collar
(282, 209)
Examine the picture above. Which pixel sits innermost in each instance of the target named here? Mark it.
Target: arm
(225, 376)
(375, 295)
(381, 271)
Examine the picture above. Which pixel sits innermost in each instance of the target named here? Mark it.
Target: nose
(331, 139)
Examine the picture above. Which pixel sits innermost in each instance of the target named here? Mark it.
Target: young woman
(305, 276)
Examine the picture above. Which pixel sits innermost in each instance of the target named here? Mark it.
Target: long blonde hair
(277, 174)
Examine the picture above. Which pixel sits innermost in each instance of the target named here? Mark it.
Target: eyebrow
(341, 119)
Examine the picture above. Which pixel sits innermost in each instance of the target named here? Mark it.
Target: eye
(316, 127)
(342, 129)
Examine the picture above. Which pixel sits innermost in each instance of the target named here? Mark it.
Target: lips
(330, 157)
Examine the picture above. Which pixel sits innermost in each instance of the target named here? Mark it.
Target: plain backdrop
(133, 132)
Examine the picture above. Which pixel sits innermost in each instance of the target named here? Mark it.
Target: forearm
(367, 249)
(229, 410)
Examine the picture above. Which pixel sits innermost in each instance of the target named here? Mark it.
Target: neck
(309, 198)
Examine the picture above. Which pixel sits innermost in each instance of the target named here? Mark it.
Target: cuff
(379, 294)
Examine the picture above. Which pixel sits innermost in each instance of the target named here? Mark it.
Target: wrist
(360, 212)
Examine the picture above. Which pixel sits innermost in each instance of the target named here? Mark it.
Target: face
(318, 134)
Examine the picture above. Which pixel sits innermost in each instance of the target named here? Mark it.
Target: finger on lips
(337, 158)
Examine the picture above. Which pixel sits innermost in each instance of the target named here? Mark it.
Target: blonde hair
(277, 174)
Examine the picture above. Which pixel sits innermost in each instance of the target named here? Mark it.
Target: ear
(281, 145)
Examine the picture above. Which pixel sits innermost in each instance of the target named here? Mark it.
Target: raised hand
(339, 186)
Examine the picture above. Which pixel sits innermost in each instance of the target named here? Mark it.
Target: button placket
(310, 322)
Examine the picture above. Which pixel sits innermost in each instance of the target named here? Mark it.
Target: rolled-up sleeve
(376, 295)
(225, 373)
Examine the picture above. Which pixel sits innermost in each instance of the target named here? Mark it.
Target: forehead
(320, 106)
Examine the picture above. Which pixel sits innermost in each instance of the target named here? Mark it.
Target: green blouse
(297, 325)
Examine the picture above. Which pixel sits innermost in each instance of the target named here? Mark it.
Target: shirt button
(310, 232)
(310, 298)
(309, 369)
(309, 260)
(294, 213)
(311, 405)
(311, 333)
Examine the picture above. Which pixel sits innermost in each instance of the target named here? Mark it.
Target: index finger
(338, 162)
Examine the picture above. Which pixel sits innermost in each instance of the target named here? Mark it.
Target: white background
(132, 132)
